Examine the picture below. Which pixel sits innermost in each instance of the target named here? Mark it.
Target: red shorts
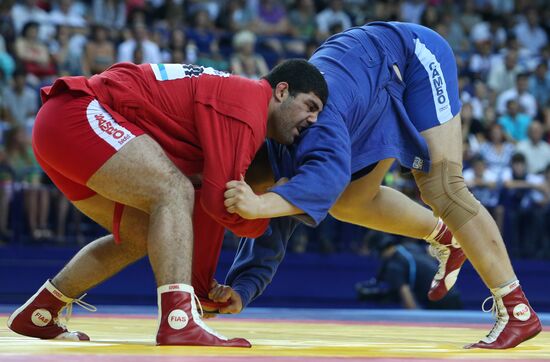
(73, 136)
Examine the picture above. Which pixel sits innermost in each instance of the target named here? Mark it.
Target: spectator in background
(202, 34)
(473, 132)
(7, 64)
(235, 16)
(520, 92)
(405, 274)
(271, 19)
(33, 53)
(140, 37)
(496, 152)
(514, 123)
(411, 11)
(485, 186)
(66, 14)
(20, 102)
(28, 11)
(469, 17)
(333, 15)
(535, 149)
(6, 191)
(539, 84)
(244, 61)
(60, 51)
(482, 59)
(28, 178)
(503, 74)
(523, 197)
(529, 32)
(99, 53)
(303, 25)
(109, 13)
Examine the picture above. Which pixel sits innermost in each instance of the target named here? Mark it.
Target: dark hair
(518, 158)
(28, 25)
(301, 76)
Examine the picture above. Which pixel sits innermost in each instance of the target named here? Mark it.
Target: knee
(445, 191)
(175, 188)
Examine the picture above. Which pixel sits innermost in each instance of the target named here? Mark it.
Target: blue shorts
(428, 68)
(393, 112)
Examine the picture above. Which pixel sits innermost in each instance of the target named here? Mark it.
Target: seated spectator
(484, 184)
(405, 274)
(139, 37)
(28, 178)
(303, 26)
(332, 15)
(244, 61)
(235, 16)
(66, 63)
(7, 64)
(27, 11)
(271, 19)
(66, 14)
(99, 53)
(535, 149)
(6, 192)
(529, 32)
(109, 13)
(202, 34)
(182, 51)
(496, 151)
(33, 53)
(20, 102)
(482, 60)
(503, 74)
(514, 123)
(522, 198)
(539, 84)
(302, 20)
(520, 92)
(473, 132)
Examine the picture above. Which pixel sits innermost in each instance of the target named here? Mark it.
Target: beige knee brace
(444, 190)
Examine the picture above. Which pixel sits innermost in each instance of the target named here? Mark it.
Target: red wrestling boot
(180, 323)
(516, 320)
(39, 316)
(449, 254)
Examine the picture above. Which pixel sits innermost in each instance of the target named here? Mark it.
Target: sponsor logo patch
(522, 312)
(41, 317)
(178, 319)
(105, 126)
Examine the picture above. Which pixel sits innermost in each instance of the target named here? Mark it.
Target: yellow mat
(135, 336)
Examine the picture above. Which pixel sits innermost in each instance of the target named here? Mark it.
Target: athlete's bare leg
(140, 175)
(479, 237)
(365, 202)
(102, 258)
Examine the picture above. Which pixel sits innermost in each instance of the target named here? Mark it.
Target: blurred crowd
(502, 50)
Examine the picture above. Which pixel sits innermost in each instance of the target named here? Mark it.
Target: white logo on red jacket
(106, 127)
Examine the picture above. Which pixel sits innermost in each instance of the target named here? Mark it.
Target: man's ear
(281, 91)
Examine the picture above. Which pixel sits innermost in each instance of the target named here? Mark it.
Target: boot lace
(500, 322)
(67, 311)
(441, 253)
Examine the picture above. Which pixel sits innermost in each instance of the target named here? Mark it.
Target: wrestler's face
(291, 114)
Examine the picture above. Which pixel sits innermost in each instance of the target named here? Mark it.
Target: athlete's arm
(257, 260)
(323, 169)
(241, 199)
